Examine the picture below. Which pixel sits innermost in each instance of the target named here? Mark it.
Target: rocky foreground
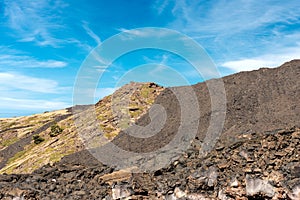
(257, 166)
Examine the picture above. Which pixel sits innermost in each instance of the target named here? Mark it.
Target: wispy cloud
(12, 81)
(173, 64)
(29, 62)
(14, 58)
(160, 63)
(82, 45)
(21, 94)
(266, 60)
(240, 39)
(101, 68)
(30, 104)
(160, 5)
(161, 59)
(34, 21)
(138, 33)
(91, 33)
(131, 34)
(222, 17)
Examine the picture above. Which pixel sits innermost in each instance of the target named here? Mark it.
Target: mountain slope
(19, 153)
(257, 101)
(256, 157)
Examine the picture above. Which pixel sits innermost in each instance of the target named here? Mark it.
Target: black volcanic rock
(256, 157)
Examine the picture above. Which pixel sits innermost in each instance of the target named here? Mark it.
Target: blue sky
(43, 43)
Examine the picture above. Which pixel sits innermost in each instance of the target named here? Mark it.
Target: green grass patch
(9, 141)
(16, 156)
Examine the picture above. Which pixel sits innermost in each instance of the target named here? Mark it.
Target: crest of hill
(258, 101)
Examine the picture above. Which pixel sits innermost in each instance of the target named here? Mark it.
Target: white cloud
(21, 94)
(91, 33)
(42, 22)
(33, 21)
(161, 59)
(267, 60)
(101, 68)
(82, 45)
(14, 58)
(160, 5)
(29, 62)
(249, 64)
(131, 34)
(11, 81)
(223, 17)
(101, 60)
(30, 104)
(257, 34)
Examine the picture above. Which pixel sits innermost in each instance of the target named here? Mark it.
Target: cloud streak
(222, 17)
(266, 60)
(21, 94)
(13, 81)
(257, 34)
(29, 62)
(160, 5)
(91, 33)
(30, 104)
(13, 58)
(34, 21)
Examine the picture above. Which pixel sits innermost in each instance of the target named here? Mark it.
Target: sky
(43, 44)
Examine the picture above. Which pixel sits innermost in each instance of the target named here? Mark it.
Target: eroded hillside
(57, 133)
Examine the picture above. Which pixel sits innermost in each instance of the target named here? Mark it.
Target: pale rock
(16, 193)
(197, 197)
(295, 195)
(179, 193)
(212, 175)
(244, 154)
(222, 195)
(18, 198)
(258, 186)
(234, 183)
(170, 197)
(120, 192)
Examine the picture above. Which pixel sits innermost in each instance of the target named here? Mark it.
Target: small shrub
(37, 139)
(55, 130)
